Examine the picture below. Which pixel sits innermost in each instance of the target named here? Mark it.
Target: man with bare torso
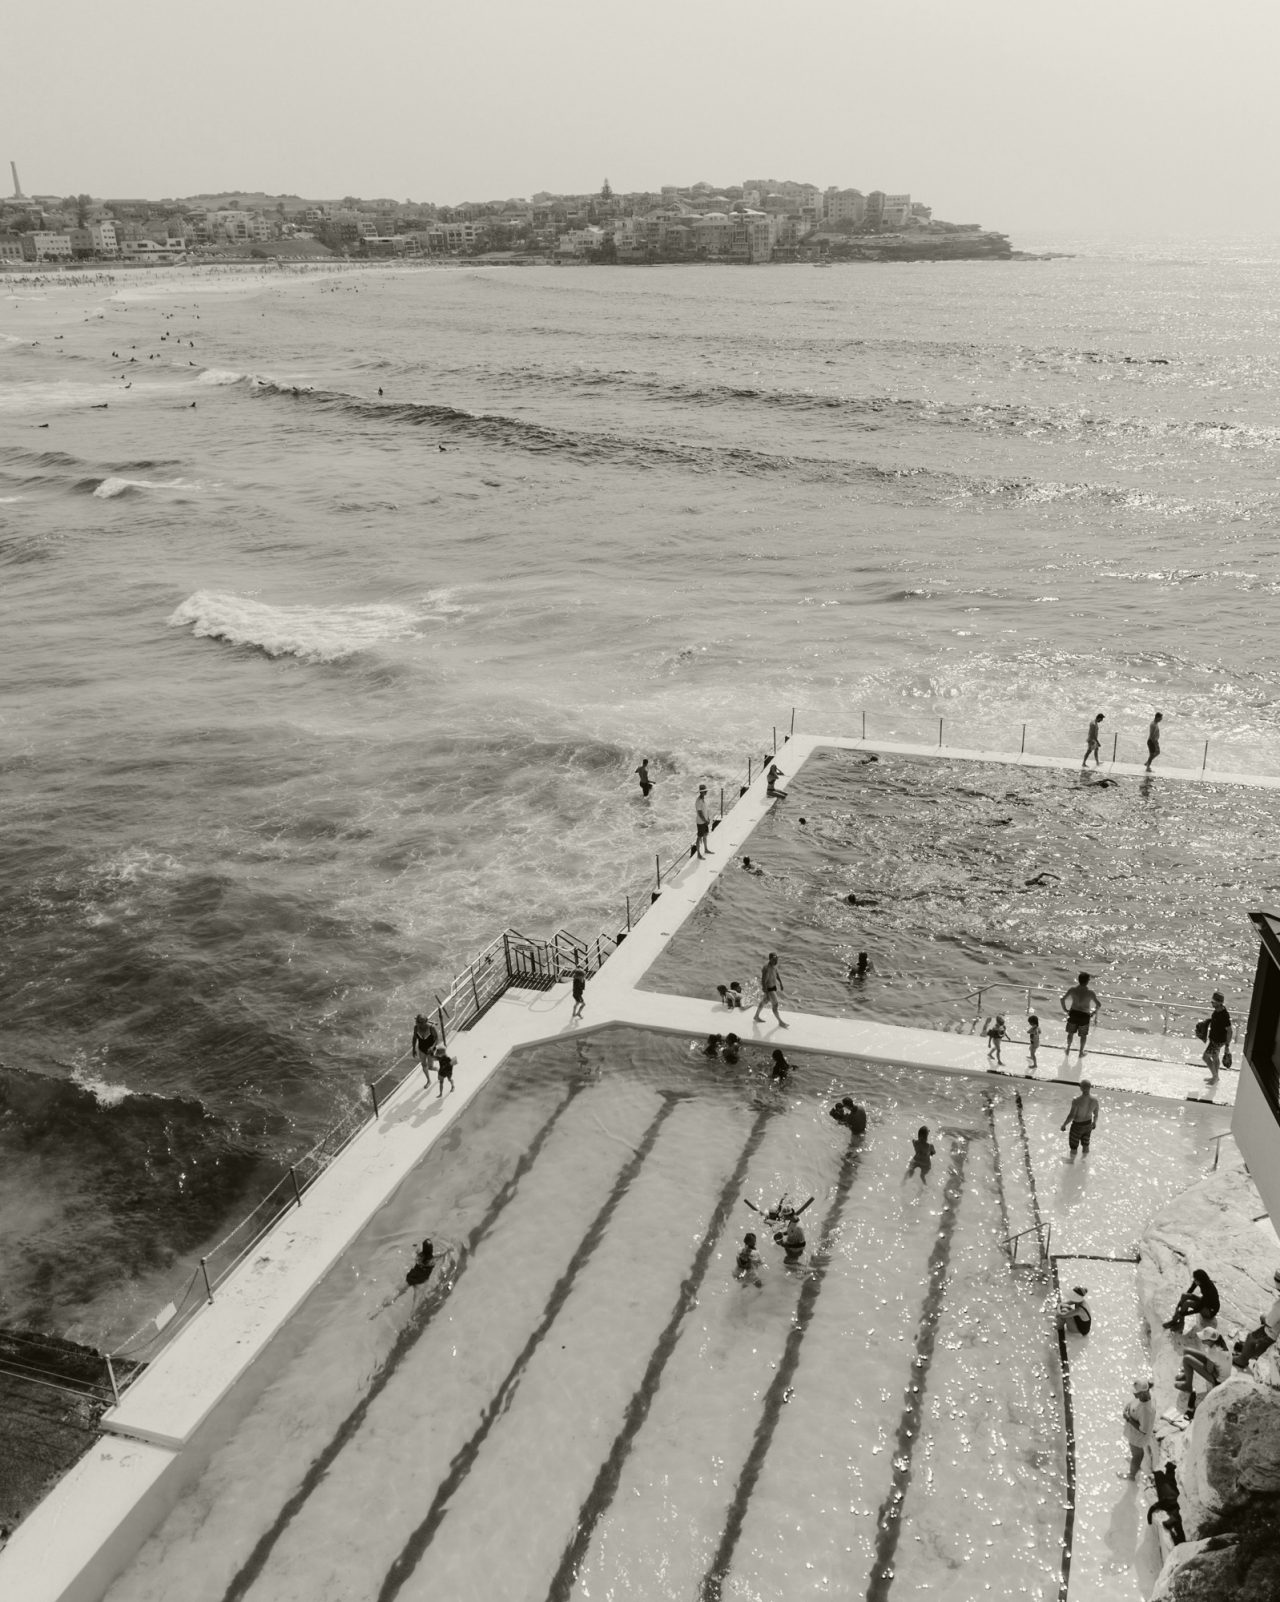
(1081, 1006)
(1082, 1117)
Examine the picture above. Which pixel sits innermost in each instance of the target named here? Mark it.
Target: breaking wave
(109, 488)
(311, 633)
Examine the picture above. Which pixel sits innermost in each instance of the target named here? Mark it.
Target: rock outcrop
(1228, 1462)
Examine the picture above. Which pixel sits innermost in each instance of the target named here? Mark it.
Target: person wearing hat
(1074, 1314)
(702, 815)
(1139, 1419)
(1213, 1363)
(1218, 1038)
(1267, 1333)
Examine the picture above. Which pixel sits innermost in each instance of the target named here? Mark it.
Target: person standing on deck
(1093, 745)
(770, 989)
(702, 816)
(1081, 1006)
(1218, 1037)
(424, 1043)
(1153, 739)
(579, 993)
(1083, 1118)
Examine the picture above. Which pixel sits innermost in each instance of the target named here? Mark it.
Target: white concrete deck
(75, 1542)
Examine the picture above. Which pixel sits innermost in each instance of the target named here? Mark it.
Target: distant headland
(759, 221)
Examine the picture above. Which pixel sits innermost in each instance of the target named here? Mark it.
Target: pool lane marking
(1031, 1174)
(990, 1101)
(889, 1519)
(600, 1497)
(776, 1396)
(404, 1343)
(1069, 1431)
(413, 1550)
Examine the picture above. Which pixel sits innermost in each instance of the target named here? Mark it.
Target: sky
(1123, 117)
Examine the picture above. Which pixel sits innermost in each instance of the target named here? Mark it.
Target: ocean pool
(1142, 884)
(589, 1404)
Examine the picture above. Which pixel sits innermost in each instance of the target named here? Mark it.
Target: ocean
(338, 609)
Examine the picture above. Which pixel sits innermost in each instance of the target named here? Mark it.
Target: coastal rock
(1223, 1568)
(1231, 1465)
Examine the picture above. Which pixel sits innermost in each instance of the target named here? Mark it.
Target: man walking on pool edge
(1153, 739)
(1083, 1118)
(1081, 1006)
(770, 989)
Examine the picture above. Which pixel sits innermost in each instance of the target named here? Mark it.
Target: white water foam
(102, 1090)
(311, 633)
(111, 487)
(219, 375)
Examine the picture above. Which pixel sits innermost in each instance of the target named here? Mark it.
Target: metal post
(204, 1269)
(775, 739)
(628, 914)
(111, 1376)
(1164, 1020)
(722, 800)
(1023, 751)
(1115, 745)
(440, 1019)
(373, 1091)
(748, 773)
(1205, 763)
(864, 725)
(939, 734)
(793, 722)
(475, 991)
(297, 1193)
(657, 868)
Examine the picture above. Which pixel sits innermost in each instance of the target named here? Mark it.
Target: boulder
(1231, 1466)
(1223, 1568)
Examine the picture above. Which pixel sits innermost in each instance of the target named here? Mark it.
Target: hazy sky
(1105, 115)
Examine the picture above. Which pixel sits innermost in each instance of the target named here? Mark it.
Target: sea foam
(111, 487)
(311, 633)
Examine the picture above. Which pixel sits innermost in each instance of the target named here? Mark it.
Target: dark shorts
(703, 830)
(1078, 1024)
(1079, 1135)
(1153, 748)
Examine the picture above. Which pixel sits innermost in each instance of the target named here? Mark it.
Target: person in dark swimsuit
(444, 1068)
(712, 1047)
(922, 1155)
(780, 1070)
(731, 1051)
(423, 1262)
(424, 1043)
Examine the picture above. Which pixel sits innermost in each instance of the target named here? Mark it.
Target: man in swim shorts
(1153, 739)
(770, 989)
(1093, 742)
(642, 773)
(702, 816)
(1081, 1006)
(1083, 1118)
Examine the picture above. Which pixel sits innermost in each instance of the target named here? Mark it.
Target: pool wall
(91, 1524)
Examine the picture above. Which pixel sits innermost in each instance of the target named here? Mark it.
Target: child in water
(748, 1264)
(997, 1032)
(1033, 1039)
(922, 1156)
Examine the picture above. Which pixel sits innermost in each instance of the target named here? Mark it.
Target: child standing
(922, 1154)
(1033, 1038)
(995, 1034)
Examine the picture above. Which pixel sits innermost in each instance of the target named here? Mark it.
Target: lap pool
(589, 1405)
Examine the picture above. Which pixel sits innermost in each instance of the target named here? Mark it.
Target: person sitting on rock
(1265, 1336)
(1200, 1298)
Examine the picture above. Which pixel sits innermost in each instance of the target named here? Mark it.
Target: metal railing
(1149, 1007)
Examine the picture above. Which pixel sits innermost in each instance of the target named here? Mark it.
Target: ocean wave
(220, 375)
(311, 633)
(9, 500)
(109, 488)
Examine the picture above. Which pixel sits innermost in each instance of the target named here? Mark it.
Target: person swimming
(780, 1213)
(731, 1052)
(747, 1267)
(781, 1069)
(712, 1047)
(848, 1113)
(423, 1263)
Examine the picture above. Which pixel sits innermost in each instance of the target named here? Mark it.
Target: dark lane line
(602, 1493)
(995, 1152)
(411, 1554)
(404, 1343)
(776, 1396)
(1031, 1174)
(889, 1519)
(1069, 1432)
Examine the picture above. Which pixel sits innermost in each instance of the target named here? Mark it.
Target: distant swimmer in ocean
(1093, 746)
(775, 773)
(922, 1155)
(1042, 878)
(747, 1267)
(850, 1115)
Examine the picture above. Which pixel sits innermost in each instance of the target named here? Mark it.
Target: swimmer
(781, 1068)
(730, 995)
(922, 1156)
(747, 1267)
(1040, 878)
(775, 773)
(780, 1213)
(792, 1241)
(712, 1047)
(424, 1261)
(850, 1115)
(731, 1051)
(861, 967)
(752, 867)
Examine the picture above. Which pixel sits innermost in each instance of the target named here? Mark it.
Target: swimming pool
(1142, 885)
(590, 1405)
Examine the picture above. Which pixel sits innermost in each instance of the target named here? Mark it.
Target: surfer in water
(424, 1261)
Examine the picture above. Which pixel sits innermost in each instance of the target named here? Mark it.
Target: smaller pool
(590, 1404)
(1142, 885)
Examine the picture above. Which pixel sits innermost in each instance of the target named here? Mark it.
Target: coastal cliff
(1228, 1461)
